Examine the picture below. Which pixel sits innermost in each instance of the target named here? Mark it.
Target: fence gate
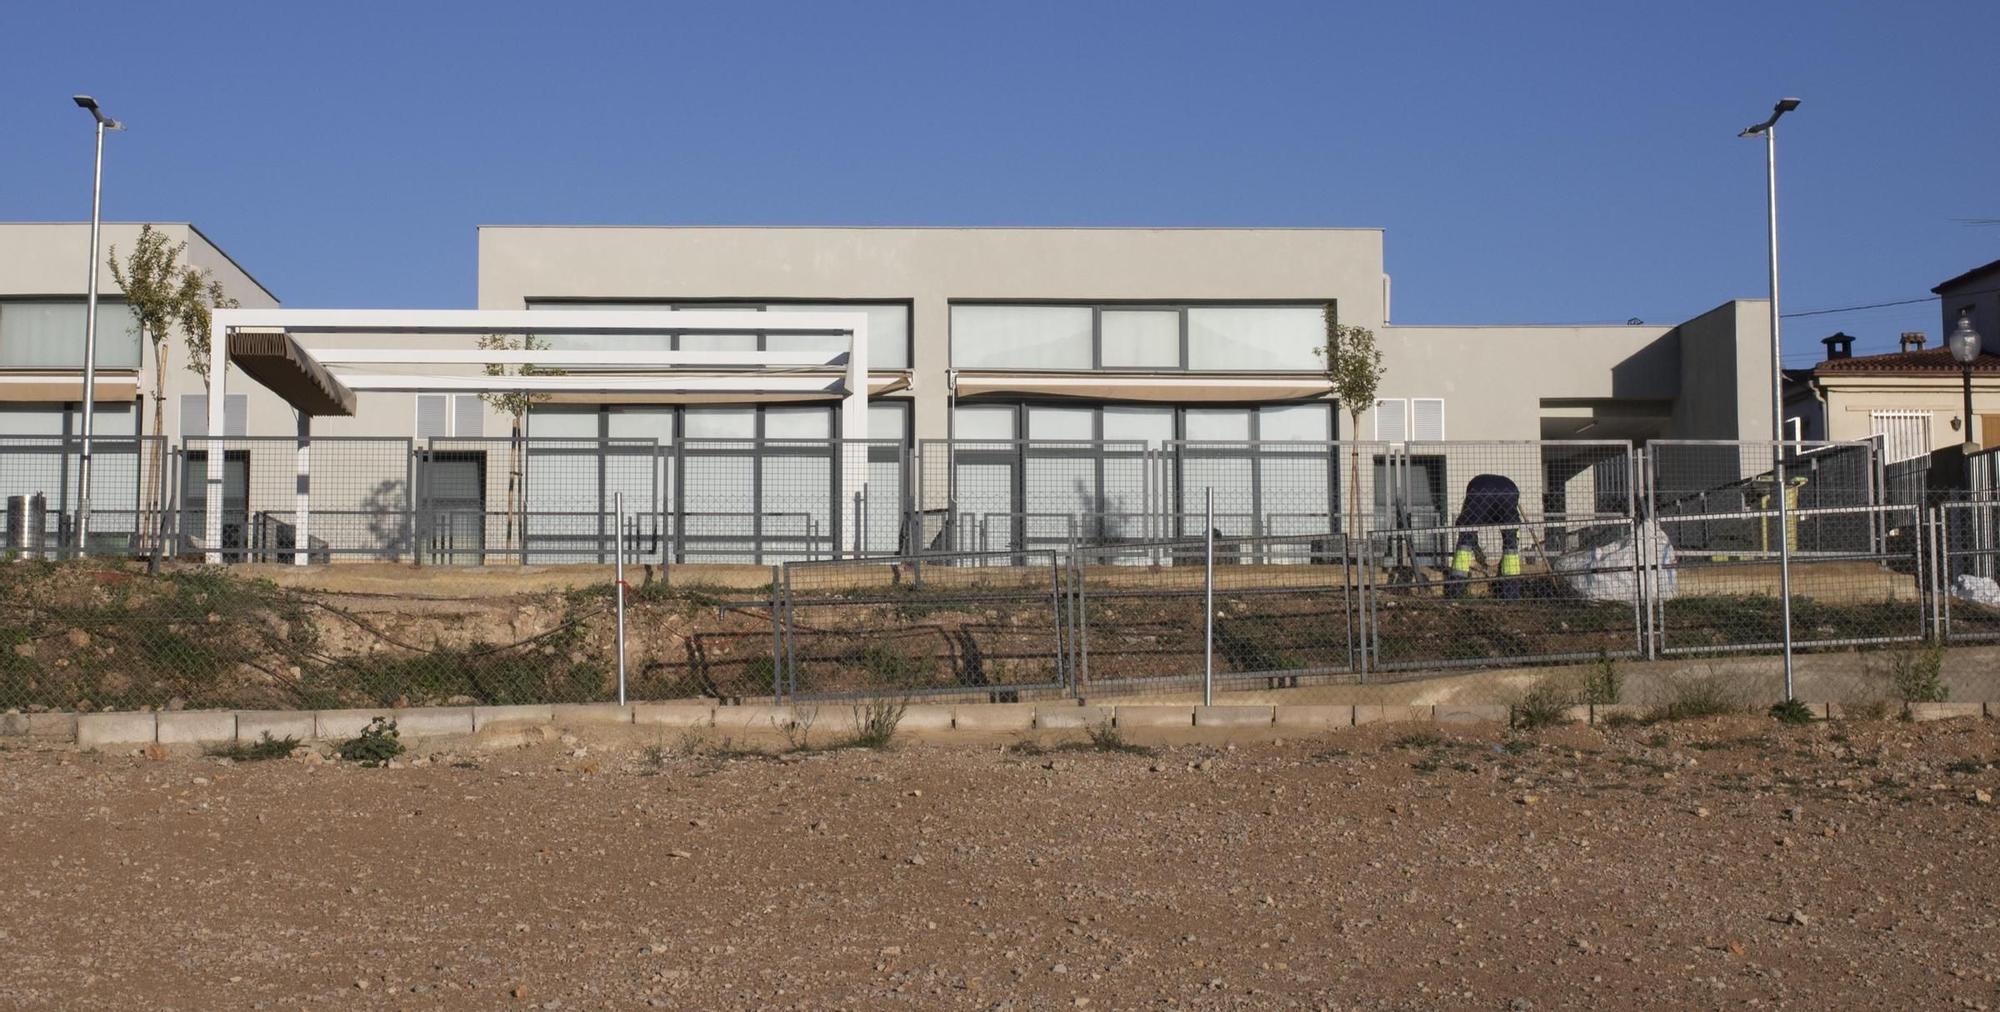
(1968, 565)
(1861, 582)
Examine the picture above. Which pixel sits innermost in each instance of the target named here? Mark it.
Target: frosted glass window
(562, 423)
(888, 333)
(721, 342)
(720, 423)
(1293, 422)
(39, 421)
(1139, 338)
(1062, 423)
(983, 422)
(888, 421)
(1152, 426)
(642, 423)
(49, 335)
(798, 423)
(1211, 424)
(603, 342)
(1020, 337)
(1255, 337)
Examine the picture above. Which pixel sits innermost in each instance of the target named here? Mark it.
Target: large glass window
(1141, 338)
(48, 334)
(983, 421)
(1049, 423)
(1255, 337)
(1275, 338)
(1021, 337)
(888, 330)
(1218, 424)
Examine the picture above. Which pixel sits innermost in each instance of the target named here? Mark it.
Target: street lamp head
(1964, 341)
(86, 102)
(1784, 106)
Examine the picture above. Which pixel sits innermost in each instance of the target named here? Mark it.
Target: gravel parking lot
(1724, 863)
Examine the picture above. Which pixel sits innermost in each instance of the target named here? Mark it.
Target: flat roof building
(1106, 350)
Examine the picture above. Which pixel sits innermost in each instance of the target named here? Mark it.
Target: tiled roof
(1962, 278)
(1928, 362)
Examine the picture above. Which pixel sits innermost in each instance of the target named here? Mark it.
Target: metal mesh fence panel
(548, 501)
(1733, 487)
(41, 486)
(1870, 595)
(972, 624)
(350, 495)
(1968, 554)
(995, 495)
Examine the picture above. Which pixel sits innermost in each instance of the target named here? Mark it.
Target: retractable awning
(1193, 388)
(276, 360)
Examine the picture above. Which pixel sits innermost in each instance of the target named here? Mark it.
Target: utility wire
(1879, 305)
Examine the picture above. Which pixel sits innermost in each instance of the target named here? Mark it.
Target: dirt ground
(1726, 863)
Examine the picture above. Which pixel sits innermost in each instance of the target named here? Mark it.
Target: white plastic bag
(1605, 573)
(1977, 589)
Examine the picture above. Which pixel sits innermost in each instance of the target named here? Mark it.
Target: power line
(1880, 305)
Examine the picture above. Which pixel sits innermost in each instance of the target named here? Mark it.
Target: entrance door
(454, 485)
(235, 501)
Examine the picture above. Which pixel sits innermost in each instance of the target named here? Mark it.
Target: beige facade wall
(1852, 405)
(933, 267)
(47, 259)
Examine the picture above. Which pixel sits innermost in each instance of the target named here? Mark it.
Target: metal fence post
(1784, 558)
(618, 505)
(1208, 604)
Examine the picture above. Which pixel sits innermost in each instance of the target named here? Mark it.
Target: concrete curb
(211, 727)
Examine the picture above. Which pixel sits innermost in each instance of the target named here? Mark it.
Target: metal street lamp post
(1768, 129)
(90, 324)
(1964, 345)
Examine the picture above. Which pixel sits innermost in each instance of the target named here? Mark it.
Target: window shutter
(1392, 420)
(1427, 419)
(194, 416)
(1906, 435)
(468, 416)
(431, 416)
(235, 414)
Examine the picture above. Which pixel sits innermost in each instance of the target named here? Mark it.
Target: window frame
(1098, 307)
(758, 305)
(105, 303)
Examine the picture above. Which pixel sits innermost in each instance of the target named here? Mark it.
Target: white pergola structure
(323, 381)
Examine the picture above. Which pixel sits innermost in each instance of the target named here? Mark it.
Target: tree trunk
(516, 504)
(154, 526)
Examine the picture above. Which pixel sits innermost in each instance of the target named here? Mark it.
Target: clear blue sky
(1539, 162)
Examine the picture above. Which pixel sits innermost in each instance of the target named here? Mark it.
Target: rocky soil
(1731, 863)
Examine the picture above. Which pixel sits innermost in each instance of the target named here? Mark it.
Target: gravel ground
(1716, 864)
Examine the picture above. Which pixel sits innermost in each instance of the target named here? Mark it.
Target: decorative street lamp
(1964, 345)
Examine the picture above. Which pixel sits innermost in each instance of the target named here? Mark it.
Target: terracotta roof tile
(1928, 362)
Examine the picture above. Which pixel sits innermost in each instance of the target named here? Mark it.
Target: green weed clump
(375, 745)
(876, 722)
(1545, 705)
(1918, 675)
(264, 748)
(1791, 711)
(1693, 698)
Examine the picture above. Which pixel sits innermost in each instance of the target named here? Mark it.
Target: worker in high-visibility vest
(1490, 500)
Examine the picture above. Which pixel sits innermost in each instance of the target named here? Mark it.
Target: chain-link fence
(983, 569)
